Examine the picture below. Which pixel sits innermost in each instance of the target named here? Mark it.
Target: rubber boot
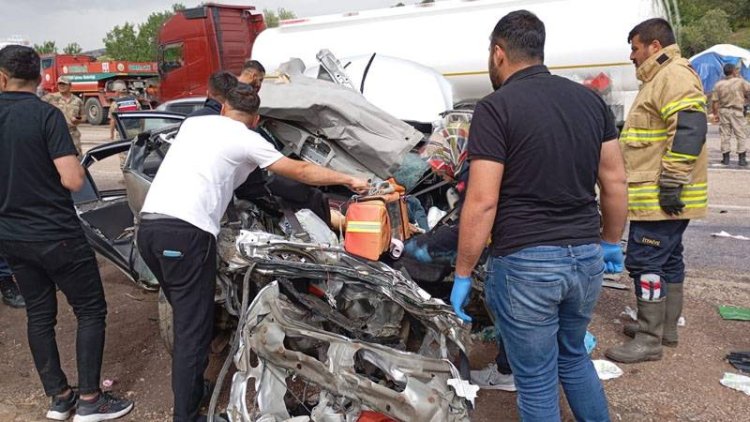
(743, 159)
(646, 345)
(725, 159)
(671, 316)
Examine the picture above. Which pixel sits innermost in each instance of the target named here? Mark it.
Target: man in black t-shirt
(43, 242)
(538, 146)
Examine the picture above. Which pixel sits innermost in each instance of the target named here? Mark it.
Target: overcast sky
(87, 21)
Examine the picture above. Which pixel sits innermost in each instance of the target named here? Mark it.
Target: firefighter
(728, 102)
(71, 107)
(663, 143)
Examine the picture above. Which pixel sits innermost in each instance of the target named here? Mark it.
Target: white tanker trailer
(586, 40)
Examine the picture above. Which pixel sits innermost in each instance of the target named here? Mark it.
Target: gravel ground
(684, 386)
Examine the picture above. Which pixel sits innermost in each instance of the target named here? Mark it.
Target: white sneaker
(490, 379)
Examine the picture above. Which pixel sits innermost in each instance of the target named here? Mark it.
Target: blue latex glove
(460, 296)
(612, 257)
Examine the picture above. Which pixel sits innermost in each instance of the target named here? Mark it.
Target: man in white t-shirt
(180, 221)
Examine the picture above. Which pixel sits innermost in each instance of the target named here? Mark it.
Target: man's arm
(71, 173)
(315, 175)
(613, 191)
(478, 213)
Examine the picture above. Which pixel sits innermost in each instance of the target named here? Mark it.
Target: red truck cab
(197, 42)
(91, 80)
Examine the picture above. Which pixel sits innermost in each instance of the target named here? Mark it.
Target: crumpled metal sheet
(419, 391)
(262, 250)
(368, 134)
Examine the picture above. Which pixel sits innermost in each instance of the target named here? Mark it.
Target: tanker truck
(586, 42)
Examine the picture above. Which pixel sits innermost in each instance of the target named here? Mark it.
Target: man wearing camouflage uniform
(71, 107)
(663, 143)
(729, 98)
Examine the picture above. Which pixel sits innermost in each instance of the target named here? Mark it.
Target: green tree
(712, 28)
(126, 43)
(47, 47)
(72, 48)
(274, 18)
(122, 43)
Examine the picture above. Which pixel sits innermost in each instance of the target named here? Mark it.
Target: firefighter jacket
(663, 140)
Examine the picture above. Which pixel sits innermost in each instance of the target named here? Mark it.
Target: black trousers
(183, 259)
(40, 268)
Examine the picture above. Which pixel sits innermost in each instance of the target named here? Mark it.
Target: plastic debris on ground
(607, 370)
(729, 235)
(681, 322)
(734, 313)
(736, 382)
(590, 342)
(740, 360)
(630, 312)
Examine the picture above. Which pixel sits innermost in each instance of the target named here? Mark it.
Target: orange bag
(368, 229)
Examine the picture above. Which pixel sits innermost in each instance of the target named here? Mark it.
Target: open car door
(102, 204)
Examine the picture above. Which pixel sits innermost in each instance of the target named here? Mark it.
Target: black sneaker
(11, 295)
(60, 408)
(105, 408)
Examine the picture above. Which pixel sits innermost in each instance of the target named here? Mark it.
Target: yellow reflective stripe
(675, 156)
(643, 135)
(363, 227)
(646, 131)
(656, 207)
(675, 106)
(655, 188)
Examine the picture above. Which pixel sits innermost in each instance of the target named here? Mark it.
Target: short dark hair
(729, 69)
(521, 34)
(20, 62)
(244, 98)
(220, 83)
(653, 29)
(254, 64)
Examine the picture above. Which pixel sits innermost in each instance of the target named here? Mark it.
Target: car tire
(95, 113)
(166, 322)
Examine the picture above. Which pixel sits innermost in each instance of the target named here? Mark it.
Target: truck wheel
(94, 111)
(166, 322)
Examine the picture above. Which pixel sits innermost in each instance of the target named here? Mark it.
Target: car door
(102, 204)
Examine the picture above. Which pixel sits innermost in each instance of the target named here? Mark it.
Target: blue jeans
(543, 298)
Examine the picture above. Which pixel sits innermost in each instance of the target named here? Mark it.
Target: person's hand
(716, 118)
(460, 296)
(612, 257)
(669, 200)
(358, 185)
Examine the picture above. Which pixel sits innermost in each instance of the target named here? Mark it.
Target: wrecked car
(333, 334)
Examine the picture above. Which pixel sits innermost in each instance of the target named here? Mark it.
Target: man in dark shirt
(43, 242)
(219, 84)
(538, 146)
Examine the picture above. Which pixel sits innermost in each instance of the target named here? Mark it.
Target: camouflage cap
(63, 80)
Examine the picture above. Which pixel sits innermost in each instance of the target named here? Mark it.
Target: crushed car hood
(374, 138)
